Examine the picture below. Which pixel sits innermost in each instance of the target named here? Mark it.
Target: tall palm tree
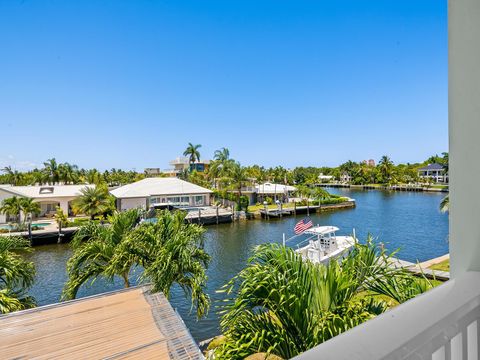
(192, 152)
(12, 207)
(386, 166)
(238, 179)
(29, 207)
(51, 170)
(222, 155)
(16, 275)
(94, 247)
(285, 305)
(220, 165)
(172, 252)
(94, 201)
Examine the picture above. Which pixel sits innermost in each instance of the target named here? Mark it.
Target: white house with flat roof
(48, 196)
(260, 192)
(160, 191)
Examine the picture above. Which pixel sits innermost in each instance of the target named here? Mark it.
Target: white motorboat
(322, 244)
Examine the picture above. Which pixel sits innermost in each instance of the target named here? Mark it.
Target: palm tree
(222, 155)
(172, 252)
(51, 171)
(12, 207)
(193, 154)
(16, 275)
(94, 201)
(93, 176)
(68, 173)
(238, 179)
(220, 166)
(29, 207)
(386, 169)
(14, 177)
(285, 305)
(445, 204)
(94, 247)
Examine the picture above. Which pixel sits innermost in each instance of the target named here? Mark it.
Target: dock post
(308, 207)
(217, 214)
(30, 232)
(59, 240)
(199, 216)
(283, 239)
(294, 208)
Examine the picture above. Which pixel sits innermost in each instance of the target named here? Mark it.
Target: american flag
(303, 225)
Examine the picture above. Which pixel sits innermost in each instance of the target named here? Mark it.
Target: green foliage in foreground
(16, 275)
(94, 248)
(285, 305)
(170, 251)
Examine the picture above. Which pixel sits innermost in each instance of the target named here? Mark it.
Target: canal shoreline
(64, 235)
(385, 188)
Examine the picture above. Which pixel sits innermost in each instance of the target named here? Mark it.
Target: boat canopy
(321, 230)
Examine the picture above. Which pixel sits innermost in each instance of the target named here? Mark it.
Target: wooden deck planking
(117, 325)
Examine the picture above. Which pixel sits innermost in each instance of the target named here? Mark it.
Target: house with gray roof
(436, 172)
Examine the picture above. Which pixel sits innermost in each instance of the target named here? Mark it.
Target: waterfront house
(259, 193)
(436, 172)
(48, 196)
(129, 323)
(160, 191)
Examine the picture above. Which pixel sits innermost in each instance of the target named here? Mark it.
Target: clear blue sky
(128, 84)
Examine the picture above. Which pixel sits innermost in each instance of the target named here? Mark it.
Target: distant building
(325, 178)
(181, 164)
(436, 172)
(160, 191)
(48, 196)
(153, 171)
(345, 177)
(369, 162)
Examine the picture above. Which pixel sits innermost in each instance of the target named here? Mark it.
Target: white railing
(442, 324)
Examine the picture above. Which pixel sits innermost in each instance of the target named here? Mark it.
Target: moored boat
(322, 244)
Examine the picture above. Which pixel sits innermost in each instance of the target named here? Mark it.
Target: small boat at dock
(322, 244)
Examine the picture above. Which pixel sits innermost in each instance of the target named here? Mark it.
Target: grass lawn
(443, 266)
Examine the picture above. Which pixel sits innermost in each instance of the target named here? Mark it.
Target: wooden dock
(276, 213)
(131, 323)
(419, 269)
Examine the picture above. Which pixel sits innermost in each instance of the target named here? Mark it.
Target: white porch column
(464, 132)
(64, 206)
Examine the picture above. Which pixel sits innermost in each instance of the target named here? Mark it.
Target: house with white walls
(160, 191)
(48, 196)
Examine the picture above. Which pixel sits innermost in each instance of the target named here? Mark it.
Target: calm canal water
(407, 221)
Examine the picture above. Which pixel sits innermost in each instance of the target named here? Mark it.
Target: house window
(199, 200)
